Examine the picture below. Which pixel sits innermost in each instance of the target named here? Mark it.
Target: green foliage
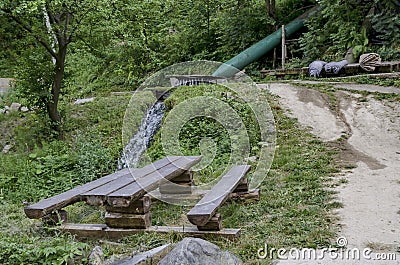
(53, 168)
(30, 250)
(338, 27)
(34, 83)
(385, 22)
(341, 25)
(240, 26)
(205, 134)
(93, 159)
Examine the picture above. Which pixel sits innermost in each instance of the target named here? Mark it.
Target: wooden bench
(127, 205)
(118, 190)
(204, 214)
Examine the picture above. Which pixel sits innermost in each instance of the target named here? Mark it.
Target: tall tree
(271, 8)
(53, 25)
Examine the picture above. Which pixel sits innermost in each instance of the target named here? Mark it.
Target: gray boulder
(195, 251)
(15, 106)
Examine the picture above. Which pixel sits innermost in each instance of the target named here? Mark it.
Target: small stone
(83, 100)
(15, 106)
(251, 159)
(96, 257)
(7, 148)
(24, 109)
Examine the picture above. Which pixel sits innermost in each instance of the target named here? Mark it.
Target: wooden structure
(204, 214)
(127, 205)
(350, 69)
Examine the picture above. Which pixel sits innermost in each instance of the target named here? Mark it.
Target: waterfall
(151, 122)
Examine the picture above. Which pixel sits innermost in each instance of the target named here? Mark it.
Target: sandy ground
(370, 129)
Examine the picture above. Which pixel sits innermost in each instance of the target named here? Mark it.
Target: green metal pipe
(255, 52)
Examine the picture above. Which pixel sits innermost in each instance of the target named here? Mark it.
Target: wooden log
(202, 212)
(175, 188)
(186, 177)
(243, 185)
(125, 220)
(245, 196)
(253, 195)
(142, 186)
(103, 231)
(214, 224)
(140, 206)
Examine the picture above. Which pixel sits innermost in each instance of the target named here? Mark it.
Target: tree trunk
(271, 8)
(52, 104)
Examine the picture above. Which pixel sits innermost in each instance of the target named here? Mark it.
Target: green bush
(58, 250)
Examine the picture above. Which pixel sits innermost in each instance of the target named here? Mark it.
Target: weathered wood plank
(141, 186)
(103, 231)
(46, 206)
(176, 188)
(202, 212)
(59, 201)
(243, 185)
(126, 220)
(187, 176)
(245, 196)
(248, 196)
(214, 224)
(140, 206)
(97, 196)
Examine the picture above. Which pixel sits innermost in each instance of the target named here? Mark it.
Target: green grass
(294, 210)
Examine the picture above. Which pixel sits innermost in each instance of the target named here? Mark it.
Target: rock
(146, 258)
(15, 106)
(7, 148)
(83, 100)
(251, 159)
(196, 251)
(24, 109)
(96, 257)
(2, 111)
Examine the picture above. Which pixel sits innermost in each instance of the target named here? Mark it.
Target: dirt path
(369, 137)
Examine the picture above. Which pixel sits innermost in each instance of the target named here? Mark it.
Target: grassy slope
(293, 211)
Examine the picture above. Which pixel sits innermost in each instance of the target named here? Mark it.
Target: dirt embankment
(367, 131)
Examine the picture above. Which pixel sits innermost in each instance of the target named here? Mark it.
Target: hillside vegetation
(116, 45)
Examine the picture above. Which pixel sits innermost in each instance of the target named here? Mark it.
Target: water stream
(151, 122)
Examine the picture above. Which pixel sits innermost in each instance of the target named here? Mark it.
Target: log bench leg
(55, 218)
(243, 186)
(182, 184)
(127, 220)
(135, 215)
(214, 224)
